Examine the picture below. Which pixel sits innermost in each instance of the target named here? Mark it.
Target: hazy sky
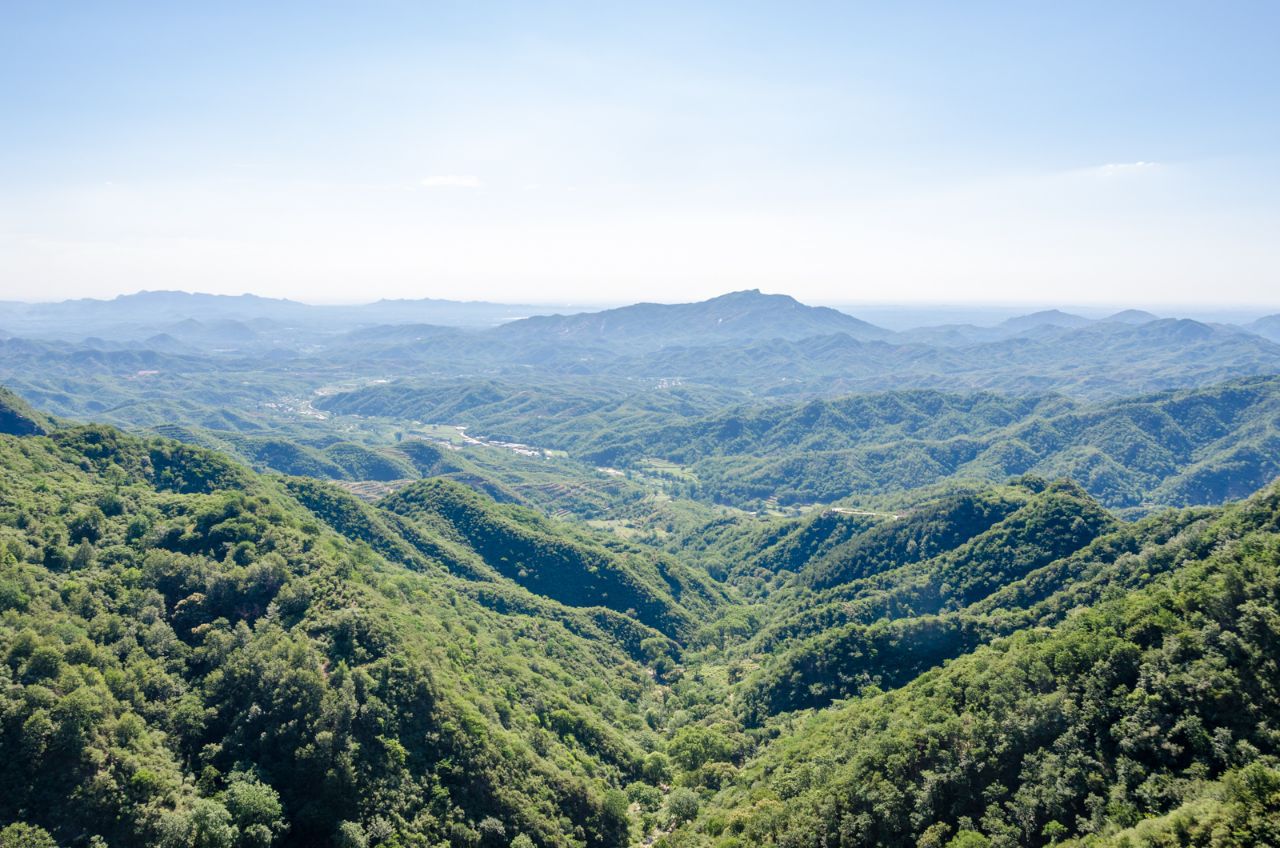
(1021, 151)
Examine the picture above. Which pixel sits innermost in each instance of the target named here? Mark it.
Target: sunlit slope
(1153, 678)
(177, 628)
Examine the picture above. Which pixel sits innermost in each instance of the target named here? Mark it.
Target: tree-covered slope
(1204, 445)
(17, 418)
(193, 653)
(926, 531)
(189, 656)
(1196, 446)
(577, 571)
(887, 628)
(1156, 701)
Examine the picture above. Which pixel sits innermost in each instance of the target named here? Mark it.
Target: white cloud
(1112, 169)
(451, 181)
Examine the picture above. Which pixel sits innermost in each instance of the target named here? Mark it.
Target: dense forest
(1175, 448)
(194, 657)
(251, 595)
(198, 654)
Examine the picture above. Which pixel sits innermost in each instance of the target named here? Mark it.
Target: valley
(575, 610)
(639, 425)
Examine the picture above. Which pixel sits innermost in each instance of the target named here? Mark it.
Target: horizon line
(906, 304)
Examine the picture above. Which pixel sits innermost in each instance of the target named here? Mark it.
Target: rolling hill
(189, 648)
(1204, 445)
(190, 645)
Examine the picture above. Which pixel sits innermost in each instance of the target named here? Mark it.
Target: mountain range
(732, 573)
(192, 653)
(747, 314)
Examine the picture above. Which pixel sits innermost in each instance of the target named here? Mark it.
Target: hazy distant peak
(1132, 316)
(747, 295)
(1186, 329)
(178, 297)
(1050, 317)
(1268, 327)
(747, 314)
(167, 343)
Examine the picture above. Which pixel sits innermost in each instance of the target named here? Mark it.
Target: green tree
(83, 557)
(256, 810)
(682, 804)
(350, 835)
(694, 745)
(493, 834)
(657, 768)
(211, 825)
(21, 835)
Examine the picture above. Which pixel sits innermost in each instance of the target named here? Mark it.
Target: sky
(1018, 152)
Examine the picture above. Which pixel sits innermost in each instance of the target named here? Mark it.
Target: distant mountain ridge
(1267, 327)
(738, 315)
(146, 313)
(1050, 317)
(1132, 316)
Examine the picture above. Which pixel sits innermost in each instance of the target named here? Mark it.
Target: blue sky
(990, 152)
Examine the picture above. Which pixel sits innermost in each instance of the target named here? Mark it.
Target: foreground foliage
(191, 657)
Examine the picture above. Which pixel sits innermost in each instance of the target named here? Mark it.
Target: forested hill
(1183, 447)
(1192, 446)
(195, 654)
(17, 418)
(1128, 709)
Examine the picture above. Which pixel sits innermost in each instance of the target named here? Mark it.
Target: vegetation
(191, 657)
(578, 601)
(1144, 705)
(1205, 445)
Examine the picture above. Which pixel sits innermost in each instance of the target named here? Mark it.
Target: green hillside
(189, 650)
(1149, 703)
(17, 418)
(193, 653)
(555, 562)
(1204, 445)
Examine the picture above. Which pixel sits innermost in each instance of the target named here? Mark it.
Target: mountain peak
(1132, 316)
(746, 314)
(747, 295)
(1268, 327)
(1046, 317)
